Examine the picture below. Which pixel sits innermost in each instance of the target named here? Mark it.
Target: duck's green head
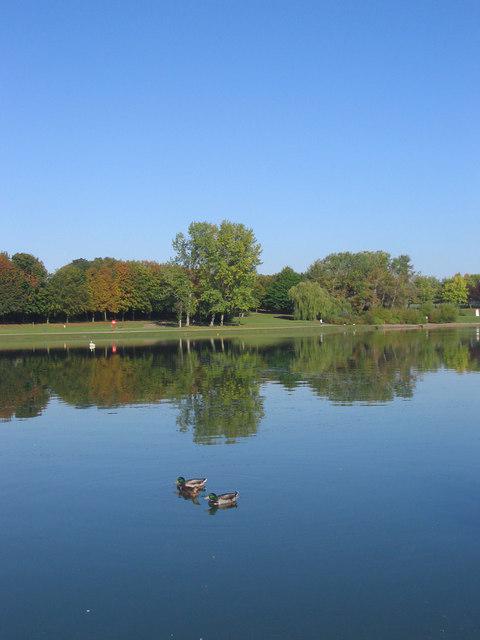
(212, 497)
(180, 481)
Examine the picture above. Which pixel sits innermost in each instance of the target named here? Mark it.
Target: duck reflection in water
(192, 496)
(215, 507)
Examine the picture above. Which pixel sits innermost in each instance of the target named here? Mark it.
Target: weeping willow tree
(311, 301)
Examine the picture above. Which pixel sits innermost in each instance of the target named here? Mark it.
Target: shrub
(447, 313)
(380, 315)
(427, 310)
(412, 316)
(441, 313)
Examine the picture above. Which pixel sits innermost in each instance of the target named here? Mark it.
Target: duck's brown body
(191, 485)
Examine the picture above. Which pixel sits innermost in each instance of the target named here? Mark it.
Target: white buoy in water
(91, 345)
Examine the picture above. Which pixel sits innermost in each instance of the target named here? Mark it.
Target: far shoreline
(145, 332)
(426, 325)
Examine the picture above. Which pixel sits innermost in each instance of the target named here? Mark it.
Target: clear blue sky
(326, 126)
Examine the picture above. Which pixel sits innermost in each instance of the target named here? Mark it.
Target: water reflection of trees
(216, 385)
(226, 400)
(24, 392)
(347, 369)
(377, 367)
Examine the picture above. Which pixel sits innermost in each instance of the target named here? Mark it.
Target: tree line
(369, 286)
(212, 276)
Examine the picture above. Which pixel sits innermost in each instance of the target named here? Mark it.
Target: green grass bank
(141, 331)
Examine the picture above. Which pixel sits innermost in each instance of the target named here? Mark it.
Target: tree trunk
(105, 316)
(180, 320)
(221, 320)
(212, 321)
(133, 314)
(93, 317)
(187, 319)
(48, 320)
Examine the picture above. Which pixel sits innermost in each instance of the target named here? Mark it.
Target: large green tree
(262, 282)
(455, 290)
(188, 255)
(178, 290)
(238, 259)
(427, 289)
(23, 280)
(159, 291)
(365, 279)
(225, 258)
(34, 284)
(277, 298)
(402, 274)
(67, 292)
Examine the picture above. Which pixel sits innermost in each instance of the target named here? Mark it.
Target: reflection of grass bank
(148, 336)
(145, 332)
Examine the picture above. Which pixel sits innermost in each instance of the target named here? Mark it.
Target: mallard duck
(223, 499)
(194, 484)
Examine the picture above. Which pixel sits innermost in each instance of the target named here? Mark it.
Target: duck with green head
(193, 485)
(222, 499)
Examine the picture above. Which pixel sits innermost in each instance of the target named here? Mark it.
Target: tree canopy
(366, 279)
(225, 258)
(276, 297)
(455, 290)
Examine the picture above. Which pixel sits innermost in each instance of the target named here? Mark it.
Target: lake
(357, 462)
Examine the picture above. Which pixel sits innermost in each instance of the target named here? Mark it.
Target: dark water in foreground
(357, 461)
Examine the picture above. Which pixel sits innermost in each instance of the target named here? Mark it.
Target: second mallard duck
(223, 499)
(194, 484)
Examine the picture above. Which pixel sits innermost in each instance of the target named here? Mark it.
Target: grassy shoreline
(143, 332)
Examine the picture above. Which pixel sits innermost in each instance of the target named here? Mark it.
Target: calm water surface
(357, 461)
